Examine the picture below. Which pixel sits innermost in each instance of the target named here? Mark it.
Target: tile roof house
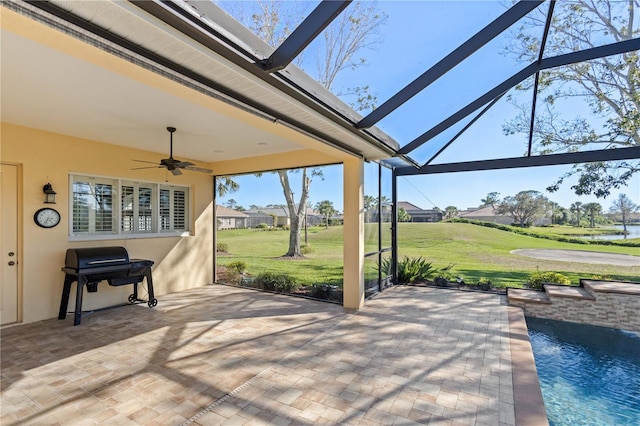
(418, 214)
(489, 214)
(231, 219)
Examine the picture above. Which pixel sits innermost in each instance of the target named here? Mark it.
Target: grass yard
(480, 252)
(477, 252)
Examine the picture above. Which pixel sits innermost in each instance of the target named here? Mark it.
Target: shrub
(483, 281)
(282, 283)
(222, 247)
(306, 249)
(413, 269)
(235, 270)
(538, 278)
(262, 226)
(443, 278)
(237, 267)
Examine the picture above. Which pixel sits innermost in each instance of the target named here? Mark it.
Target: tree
(524, 207)
(450, 212)
(354, 30)
(493, 198)
(232, 203)
(370, 207)
(593, 210)
(607, 86)
(225, 185)
(555, 212)
(326, 209)
(403, 216)
(296, 211)
(623, 208)
(576, 209)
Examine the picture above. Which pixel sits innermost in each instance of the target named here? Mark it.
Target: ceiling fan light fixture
(173, 165)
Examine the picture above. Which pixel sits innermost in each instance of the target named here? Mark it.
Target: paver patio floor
(224, 355)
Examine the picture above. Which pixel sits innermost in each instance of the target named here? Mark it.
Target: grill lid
(94, 257)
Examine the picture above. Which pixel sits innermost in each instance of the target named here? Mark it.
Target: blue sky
(416, 35)
(462, 190)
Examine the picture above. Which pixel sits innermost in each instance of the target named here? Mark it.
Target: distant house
(315, 218)
(489, 214)
(420, 215)
(279, 214)
(254, 219)
(230, 219)
(485, 214)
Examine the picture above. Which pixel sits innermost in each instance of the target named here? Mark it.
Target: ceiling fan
(171, 164)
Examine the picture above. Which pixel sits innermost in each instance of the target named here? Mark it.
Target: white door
(9, 243)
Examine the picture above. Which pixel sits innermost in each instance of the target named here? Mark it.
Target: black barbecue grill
(89, 266)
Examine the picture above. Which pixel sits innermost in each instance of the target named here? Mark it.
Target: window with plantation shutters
(126, 208)
(173, 208)
(92, 207)
(99, 205)
(179, 210)
(165, 210)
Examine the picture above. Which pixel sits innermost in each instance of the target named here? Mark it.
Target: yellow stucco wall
(180, 262)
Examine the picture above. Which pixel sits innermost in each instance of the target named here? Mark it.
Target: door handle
(11, 263)
(11, 254)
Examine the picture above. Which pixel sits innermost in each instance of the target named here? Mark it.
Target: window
(99, 204)
(92, 209)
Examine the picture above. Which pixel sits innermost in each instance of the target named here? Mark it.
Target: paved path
(223, 355)
(581, 256)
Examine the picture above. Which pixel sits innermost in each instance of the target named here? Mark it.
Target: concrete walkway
(223, 355)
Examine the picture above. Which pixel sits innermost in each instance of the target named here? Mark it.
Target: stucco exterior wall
(180, 262)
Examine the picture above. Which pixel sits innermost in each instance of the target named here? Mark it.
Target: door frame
(19, 242)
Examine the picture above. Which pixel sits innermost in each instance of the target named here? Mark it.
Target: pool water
(589, 375)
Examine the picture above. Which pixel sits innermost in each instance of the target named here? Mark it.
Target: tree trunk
(296, 212)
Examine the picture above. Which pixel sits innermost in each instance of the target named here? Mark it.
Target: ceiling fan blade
(142, 161)
(183, 164)
(142, 168)
(175, 172)
(199, 169)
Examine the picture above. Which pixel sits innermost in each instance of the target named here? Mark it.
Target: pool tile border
(528, 402)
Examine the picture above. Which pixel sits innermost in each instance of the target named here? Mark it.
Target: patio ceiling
(50, 81)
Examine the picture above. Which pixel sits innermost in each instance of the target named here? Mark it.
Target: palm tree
(403, 216)
(593, 210)
(326, 208)
(576, 210)
(450, 212)
(493, 198)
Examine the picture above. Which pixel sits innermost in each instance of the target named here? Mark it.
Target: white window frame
(117, 231)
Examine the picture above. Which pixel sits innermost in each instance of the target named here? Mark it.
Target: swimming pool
(588, 375)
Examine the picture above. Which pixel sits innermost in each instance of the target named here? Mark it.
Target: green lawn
(479, 252)
(476, 251)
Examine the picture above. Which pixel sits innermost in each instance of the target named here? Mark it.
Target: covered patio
(88, 89)
(223, 355)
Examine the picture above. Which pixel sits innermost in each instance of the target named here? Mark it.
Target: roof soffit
(128, 21)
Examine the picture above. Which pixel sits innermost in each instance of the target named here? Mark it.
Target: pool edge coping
(527, 396)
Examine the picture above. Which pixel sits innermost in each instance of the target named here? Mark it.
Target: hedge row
(564, 239)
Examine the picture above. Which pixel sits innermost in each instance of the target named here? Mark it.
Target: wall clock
(47, 217)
